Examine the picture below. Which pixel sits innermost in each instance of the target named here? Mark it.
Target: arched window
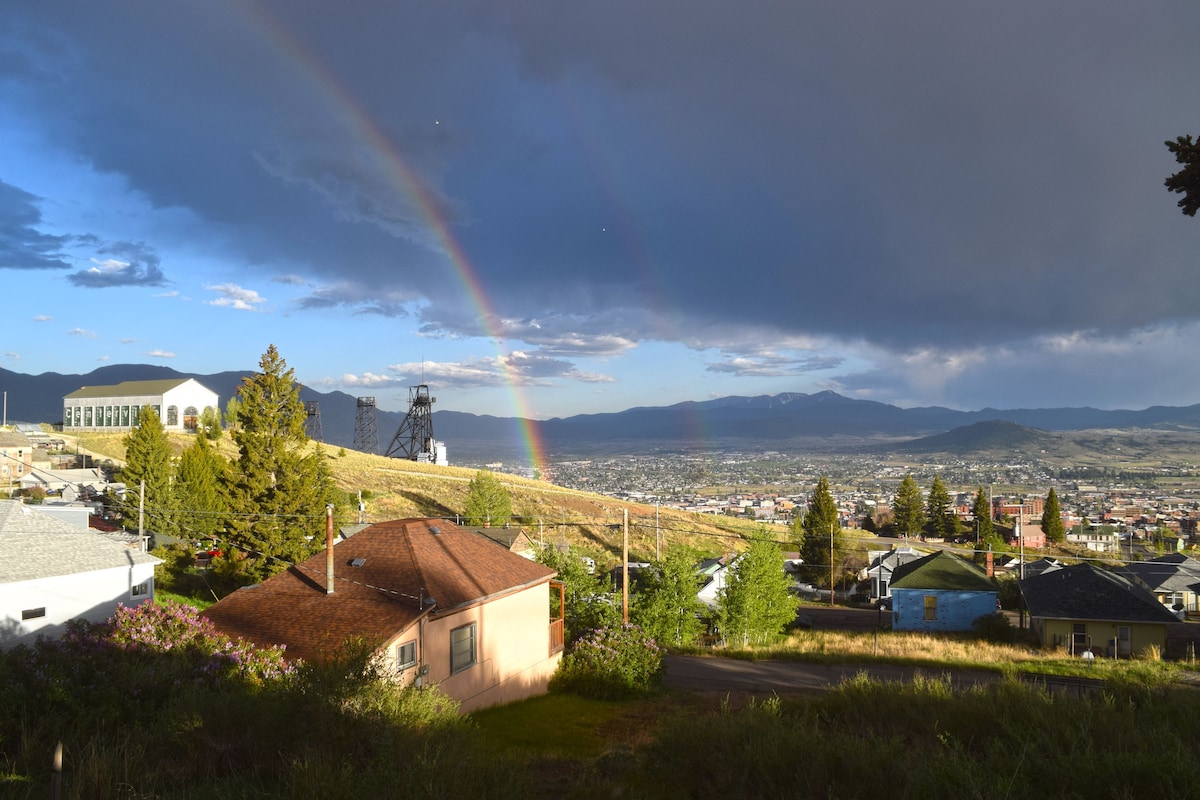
(172, 416)
(191, 418)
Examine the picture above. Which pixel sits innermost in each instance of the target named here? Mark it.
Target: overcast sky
(551, 208)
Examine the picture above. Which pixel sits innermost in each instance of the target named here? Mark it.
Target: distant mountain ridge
(781, 418)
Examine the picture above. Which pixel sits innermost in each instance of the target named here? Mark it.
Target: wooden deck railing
(556, 636)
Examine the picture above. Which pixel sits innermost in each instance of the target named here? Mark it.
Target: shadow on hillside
(428, 506)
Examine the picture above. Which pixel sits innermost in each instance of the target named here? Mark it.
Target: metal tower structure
(415, 435)
(312, 421)
(366, 431)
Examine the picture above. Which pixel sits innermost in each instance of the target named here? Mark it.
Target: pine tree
(755, 604)
(665, 605)
(822, 533)
(148, 461)
(939, 510)
(1052, 523)
(907, 508)
(1187, 180)
(277, 492)
(200, 478)
(985, 529)
(488, 502)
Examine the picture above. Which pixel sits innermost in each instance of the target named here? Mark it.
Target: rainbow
(402, 177)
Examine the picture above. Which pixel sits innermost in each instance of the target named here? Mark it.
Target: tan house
(443, 606)
(16, 459)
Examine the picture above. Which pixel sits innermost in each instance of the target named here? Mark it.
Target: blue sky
(556, 208)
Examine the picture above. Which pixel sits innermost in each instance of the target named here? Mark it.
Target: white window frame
(404, 660)
(463, 648)
(140, 589)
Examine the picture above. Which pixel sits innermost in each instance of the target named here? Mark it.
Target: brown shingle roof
(402, 562)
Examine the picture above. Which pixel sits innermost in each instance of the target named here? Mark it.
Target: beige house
(442, 606)
(179, 402)
(16, 459)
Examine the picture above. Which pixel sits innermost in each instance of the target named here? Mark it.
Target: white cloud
(160, 354)
(235, 297)
(42, 318)
(85, 333)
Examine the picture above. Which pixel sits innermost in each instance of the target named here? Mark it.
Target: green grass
(552, 725)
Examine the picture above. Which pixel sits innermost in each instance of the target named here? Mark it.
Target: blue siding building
(941, 592)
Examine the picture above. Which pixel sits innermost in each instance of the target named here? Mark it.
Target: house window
(172, 416)
(140, 590)
(406, 655)
(1079, 637)
(930, 606)
(462, 648)
(33, 613)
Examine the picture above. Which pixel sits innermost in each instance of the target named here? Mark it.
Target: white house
(52, 571)
(179, 402)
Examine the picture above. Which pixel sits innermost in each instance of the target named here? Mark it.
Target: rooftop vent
(358, 562)
(435, 530)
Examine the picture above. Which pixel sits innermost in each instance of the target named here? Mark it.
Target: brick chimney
(988, 566)
(329, 549)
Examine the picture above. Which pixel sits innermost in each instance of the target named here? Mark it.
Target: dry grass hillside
(395, 489)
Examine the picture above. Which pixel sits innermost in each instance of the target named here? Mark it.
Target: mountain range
(812, 421)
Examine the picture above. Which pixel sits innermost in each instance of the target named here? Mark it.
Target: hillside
(395, 489)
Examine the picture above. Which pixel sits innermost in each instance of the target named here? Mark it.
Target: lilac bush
(611, 662)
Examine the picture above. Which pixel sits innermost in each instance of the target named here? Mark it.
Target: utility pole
(831, 524)
(657, 540)
(625, 566)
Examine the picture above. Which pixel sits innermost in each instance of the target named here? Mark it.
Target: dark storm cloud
(22, 244)
(907, 175)
(124, 264)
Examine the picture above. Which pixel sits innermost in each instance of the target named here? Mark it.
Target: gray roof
(36, 545)
(942, 570)
(1171, 573)
(1085, 592)
(14, 439)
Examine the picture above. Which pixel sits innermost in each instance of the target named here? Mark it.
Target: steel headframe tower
(366, 433)
(312, 422)
(415, 436)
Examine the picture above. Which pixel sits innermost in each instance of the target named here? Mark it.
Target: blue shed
(941, 592)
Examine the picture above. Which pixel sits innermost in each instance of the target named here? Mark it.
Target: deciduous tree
(665, 605)
(588, 597)
(755, 604)
(488, 502)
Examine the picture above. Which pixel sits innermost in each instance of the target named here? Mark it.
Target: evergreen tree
(277, 492)
(488, 502)
(755, 604)
(985, 529)
(1052, 523)
(200, 478)
(908, 509)
(210, 424)
(1187, 180)
(939, 511)
(822, 533)
(665, 605)
(148, 461)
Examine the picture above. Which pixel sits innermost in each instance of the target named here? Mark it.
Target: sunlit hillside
(395, 488)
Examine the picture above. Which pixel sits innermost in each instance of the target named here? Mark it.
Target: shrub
(995, 628)
(611, 662)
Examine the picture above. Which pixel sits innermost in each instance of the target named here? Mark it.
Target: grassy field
(396, 489)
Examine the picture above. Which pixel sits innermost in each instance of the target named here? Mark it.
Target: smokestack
(329, 549)
(988, 566)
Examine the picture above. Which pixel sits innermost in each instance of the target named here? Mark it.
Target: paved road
(715, 674)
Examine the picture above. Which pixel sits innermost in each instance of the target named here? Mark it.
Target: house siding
(512, 657)
(104, 407)
(1143, 635)
(956, 610)
(93, 596)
